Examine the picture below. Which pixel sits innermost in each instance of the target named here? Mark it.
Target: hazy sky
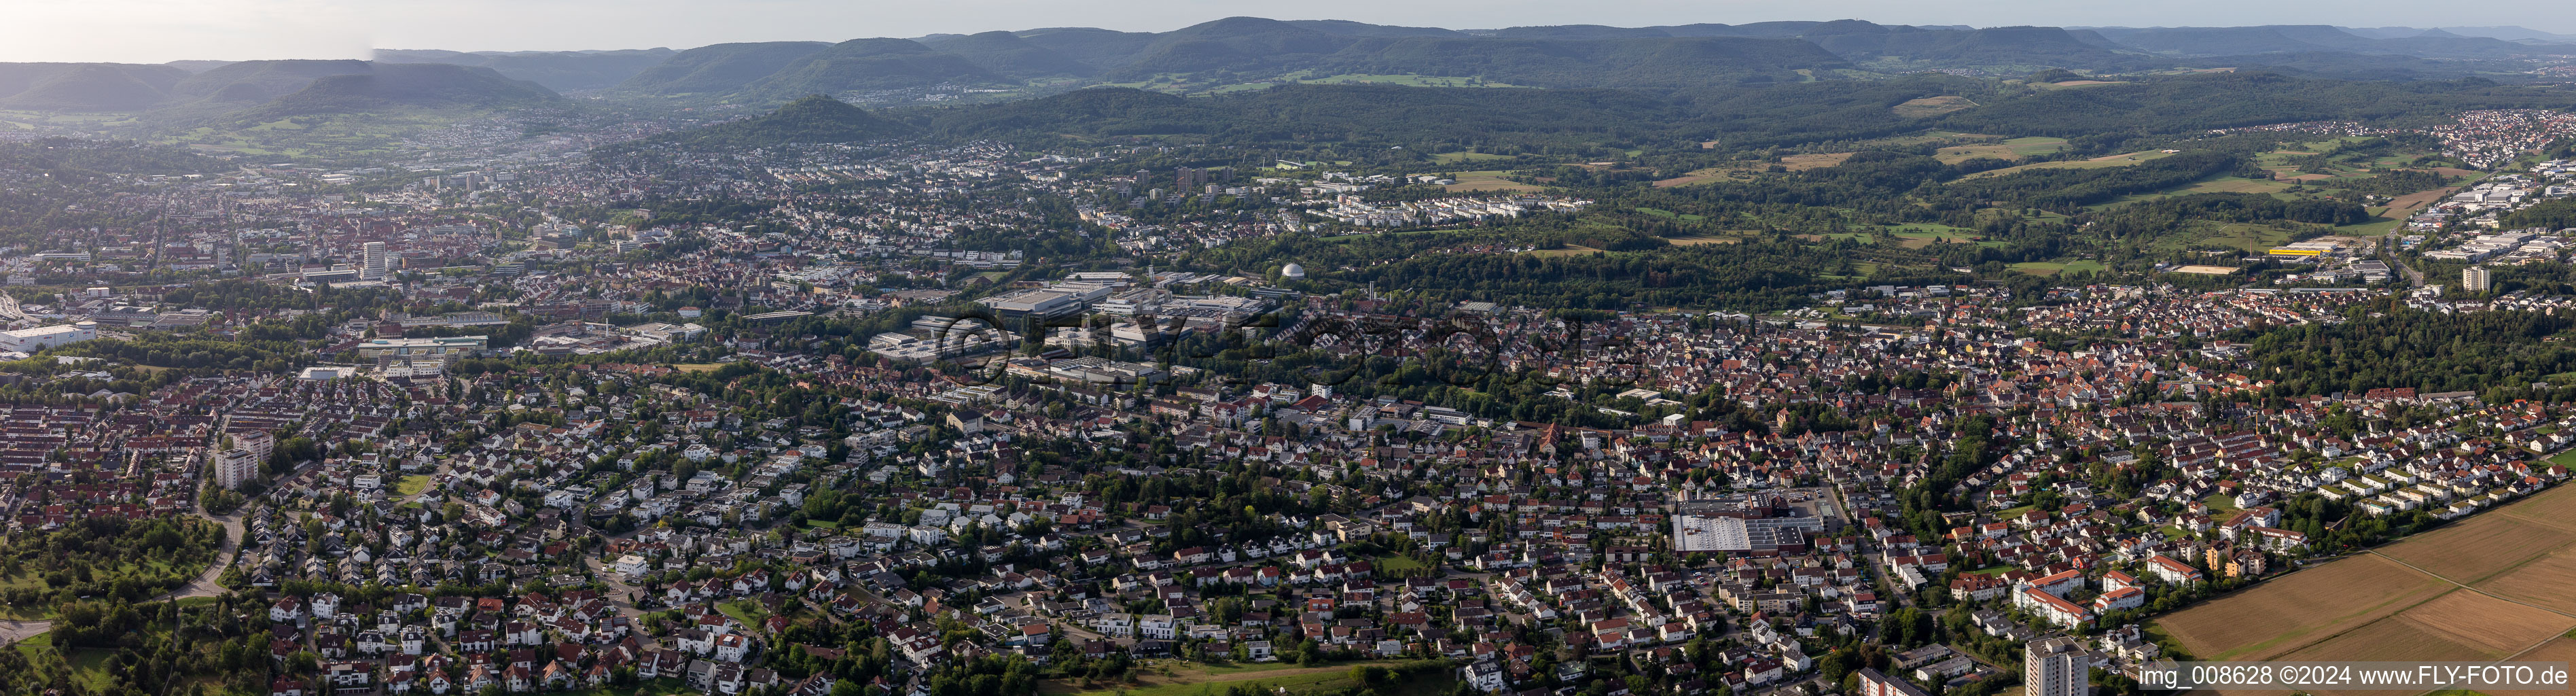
(163, 30)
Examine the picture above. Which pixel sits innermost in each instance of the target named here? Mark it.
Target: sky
(152, 31)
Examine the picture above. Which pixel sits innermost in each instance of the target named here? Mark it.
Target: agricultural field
(1490, 180)
(2474, 550)
(2562, 649)
(1918, 236)
(2543, 582)
(2015, 148)
(1931, 106)
(2518, 572)
(2281, 615)
(1567, 250)
(2411, 202)
(1795, 163)
(1456, 157)
(2050, 268)
(1710, 239)
(2459, 625)
(2119, 160)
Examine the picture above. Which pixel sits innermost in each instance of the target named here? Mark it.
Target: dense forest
(100, 557)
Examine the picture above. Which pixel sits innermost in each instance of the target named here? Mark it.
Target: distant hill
(561, 71)
(865, 64)
(1341, 27)
(2508, 33)
(1366, 113)
(2341, 65)
(198, 65)
(2309, 38)
(717, 70)
(1241, 44)
(2241, 98)
(1660, 63)
(1241, 50)
(85, 86)
(1099, 48)
(1249, 49)
(1759, 29)
(253, 82)
(2050, 46)
(2218, 41)
(391, 86)
(1392, 115)
(813, 119)
(1004, 53)
(1579, 31)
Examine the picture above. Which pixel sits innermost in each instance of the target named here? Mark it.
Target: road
(620, 595)
(2414, 278)
(202, 586)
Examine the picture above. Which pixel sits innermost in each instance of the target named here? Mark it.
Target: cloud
(162, 30)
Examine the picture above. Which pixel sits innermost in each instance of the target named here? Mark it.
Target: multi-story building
(2056, 666)
(234, 467)
(377, 262)
(2474, 279)
(258, 442)
(1876, 683)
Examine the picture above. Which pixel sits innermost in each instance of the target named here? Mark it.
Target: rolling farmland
(2487, 588)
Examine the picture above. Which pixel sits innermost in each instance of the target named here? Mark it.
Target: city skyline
(154, 31)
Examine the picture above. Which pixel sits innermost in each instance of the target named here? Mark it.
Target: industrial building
(43, 337)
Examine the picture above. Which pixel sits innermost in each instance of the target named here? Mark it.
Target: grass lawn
(411, 485)
(1997, 570)
(89, 665)
(1662, 213)
(1920, 235)
(1393, 563)
(2221, 503)
(651, 687)
(1569, 250)
(89, 669)
(750, 614)
(1357, 235)
(2375, 228)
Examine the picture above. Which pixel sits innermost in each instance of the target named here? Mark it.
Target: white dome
(1292, 271)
